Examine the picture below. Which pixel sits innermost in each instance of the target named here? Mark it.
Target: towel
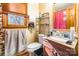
(14, 41)
(21, 40)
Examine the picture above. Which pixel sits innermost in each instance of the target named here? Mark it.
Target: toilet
(36, 45)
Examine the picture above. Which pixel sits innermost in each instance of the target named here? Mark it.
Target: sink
(59, 39)
(61, 36)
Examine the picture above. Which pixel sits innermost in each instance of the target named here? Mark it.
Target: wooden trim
(5, 12)
(7, 26)
(18, 8)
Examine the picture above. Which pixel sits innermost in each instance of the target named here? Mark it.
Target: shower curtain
(59, 22)
(14, 41)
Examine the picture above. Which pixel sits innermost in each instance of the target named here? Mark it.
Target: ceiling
(60, 6)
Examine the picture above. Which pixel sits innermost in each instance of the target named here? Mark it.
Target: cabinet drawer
(61, 49)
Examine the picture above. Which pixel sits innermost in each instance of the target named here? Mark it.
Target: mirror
(64, 15)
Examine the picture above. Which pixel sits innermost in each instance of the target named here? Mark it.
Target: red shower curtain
(59, 22)
(56, 20)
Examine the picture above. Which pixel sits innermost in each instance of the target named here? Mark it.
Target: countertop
(63, 42)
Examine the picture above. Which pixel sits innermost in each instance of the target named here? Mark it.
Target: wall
(33, 12)
(46, 7)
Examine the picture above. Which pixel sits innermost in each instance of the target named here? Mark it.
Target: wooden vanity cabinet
(60, 49)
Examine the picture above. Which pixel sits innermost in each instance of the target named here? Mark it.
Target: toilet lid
(34, 45)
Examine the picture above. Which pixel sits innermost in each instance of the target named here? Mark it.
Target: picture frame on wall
(15, 21)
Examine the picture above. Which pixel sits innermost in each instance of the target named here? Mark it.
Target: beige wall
(33, 12)
(46, 7)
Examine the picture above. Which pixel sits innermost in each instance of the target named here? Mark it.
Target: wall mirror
(64, 15)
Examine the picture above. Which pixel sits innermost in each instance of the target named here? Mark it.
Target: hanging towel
(21, 40)
(14, 41)
(10, 42)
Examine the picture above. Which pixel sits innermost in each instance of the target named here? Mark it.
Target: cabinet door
(48, 49)
(61, 49)
(15, 7)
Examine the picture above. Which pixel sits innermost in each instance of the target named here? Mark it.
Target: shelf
(44, 18)
(44, 24)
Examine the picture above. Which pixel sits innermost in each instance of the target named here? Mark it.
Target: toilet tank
(41, 38)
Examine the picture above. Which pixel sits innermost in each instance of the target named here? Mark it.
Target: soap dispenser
(72, 31)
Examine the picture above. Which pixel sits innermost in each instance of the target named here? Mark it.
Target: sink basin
(59, 39)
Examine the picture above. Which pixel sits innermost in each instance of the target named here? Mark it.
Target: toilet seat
(34, 46)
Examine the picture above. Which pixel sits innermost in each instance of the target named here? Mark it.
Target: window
(14, 21)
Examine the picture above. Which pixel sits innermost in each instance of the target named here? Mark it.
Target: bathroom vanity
(60, 47)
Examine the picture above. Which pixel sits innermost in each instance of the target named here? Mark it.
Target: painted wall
(33, 12)
(46, 7)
